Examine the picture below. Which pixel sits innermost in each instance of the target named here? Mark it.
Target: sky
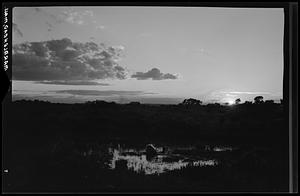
(147, 54)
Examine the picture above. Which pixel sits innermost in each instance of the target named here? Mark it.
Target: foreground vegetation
(41, 142)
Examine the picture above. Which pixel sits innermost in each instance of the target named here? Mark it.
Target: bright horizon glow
(231, 102)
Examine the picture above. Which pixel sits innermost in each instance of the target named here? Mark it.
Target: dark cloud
(71, 82)
(39, 49)
(169, 76)
(66, 60)
(71, 99)
(102, 93)
(17, 30)
(153, 74)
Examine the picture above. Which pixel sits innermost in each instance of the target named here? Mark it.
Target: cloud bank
(153, 74)
(102, 93)
(66, 60)
(71, 82)
(249, 93)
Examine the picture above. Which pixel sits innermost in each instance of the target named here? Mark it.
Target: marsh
(50, 150)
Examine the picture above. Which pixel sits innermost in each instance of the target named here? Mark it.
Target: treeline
(190, 101)
(257, 100)
(135, 120)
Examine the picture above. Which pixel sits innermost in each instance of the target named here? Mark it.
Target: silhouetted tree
(191, 101)
(258, 99)
(237, 101)
(248, 102)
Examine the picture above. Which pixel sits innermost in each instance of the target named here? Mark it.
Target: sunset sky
(147, 54)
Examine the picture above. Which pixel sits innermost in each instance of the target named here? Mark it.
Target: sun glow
(230, 102)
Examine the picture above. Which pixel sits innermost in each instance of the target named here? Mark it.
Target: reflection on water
(138, 162)
(221, 149)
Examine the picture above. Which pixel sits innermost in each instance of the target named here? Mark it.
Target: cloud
(69, 100)
(77, 17)
(81, 97)
(249, 93)
(102, 93)
(17, 30)
(100, 27)
(66, 16)
(49, 25)
(71, 82)
(66, 60)
(70, 16)
(154, 74)
(194, 51)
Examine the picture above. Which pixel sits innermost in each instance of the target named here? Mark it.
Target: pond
(174, 158)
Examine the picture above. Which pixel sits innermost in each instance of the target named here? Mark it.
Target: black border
(290, 48)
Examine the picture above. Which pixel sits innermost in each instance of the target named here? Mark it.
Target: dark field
(99, 147)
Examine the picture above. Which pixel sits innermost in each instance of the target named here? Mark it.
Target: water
(169, 158)
(137, 161)
(222, 149)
